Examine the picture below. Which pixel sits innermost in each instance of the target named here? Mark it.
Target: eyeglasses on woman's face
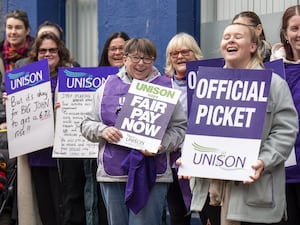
(183, 52)
(43, 51)
(137, 59)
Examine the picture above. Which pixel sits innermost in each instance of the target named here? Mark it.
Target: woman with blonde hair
(259, 199)
(181, 49)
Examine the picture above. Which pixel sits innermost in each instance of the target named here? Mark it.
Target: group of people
(132, 186)
(258, 200)
(51, 190)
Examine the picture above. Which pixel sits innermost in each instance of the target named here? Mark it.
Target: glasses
(137, 59)
(184, 52)
(43, 51)
(115, 49)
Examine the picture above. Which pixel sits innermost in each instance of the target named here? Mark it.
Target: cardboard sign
(29, 109)
(145, 115)
(75, 93)
(225, 123)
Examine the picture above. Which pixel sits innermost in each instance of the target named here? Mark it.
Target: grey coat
(264, 200)
(92, 126)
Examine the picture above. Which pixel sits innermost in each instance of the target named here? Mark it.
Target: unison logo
(21, 79)
(158, 90)
(134, 140)
(82, 80)
(215, 158)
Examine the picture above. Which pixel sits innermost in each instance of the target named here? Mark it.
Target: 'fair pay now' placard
(144, 116)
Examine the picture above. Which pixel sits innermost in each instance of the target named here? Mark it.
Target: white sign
(29, 109)
(75, 94)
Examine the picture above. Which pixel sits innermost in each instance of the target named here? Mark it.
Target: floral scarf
(178, 77)
(11, 55)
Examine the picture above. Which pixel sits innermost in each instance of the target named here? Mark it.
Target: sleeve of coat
(91, 127)
(281, 125)
(176, 129)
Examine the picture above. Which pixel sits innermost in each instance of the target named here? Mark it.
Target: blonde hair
(256, 59)
(179, 40)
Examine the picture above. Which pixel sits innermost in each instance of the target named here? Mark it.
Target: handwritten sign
(29, 110)
(145, 114)
(75, 94)
(225, 123)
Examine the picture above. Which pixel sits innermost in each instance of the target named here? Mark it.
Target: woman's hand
(56, 105)
(111, 134)
(179, 163)
(148, 153)
(258, 167)
(4, 98)
(3, 126)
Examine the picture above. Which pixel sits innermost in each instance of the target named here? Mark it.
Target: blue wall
(38, 11)
(158, 20)
(151, 19)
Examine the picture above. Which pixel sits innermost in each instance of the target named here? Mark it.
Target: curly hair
(63, 52)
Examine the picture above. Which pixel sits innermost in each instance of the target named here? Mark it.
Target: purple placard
(217, 109)
(75, 95)
(192, 69)
(277, 66)
(145, 115)
(27, 76)
(156, 128)
(84, 79)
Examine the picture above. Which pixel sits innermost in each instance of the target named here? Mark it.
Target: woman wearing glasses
(112, 55)
(113, 50)
(71, 171)
(181, 49)
(44, 171)
(98, 126)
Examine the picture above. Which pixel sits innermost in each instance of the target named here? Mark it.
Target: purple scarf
(141, 178)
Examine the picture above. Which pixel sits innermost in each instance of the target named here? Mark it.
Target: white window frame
(82, 31)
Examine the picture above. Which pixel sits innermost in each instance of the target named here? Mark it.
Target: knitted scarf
(11, 55)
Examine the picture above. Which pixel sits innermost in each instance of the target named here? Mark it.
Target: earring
(287, 42)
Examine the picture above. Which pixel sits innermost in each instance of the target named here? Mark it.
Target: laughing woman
(44, 169)
(261, 198)
(98, 126)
